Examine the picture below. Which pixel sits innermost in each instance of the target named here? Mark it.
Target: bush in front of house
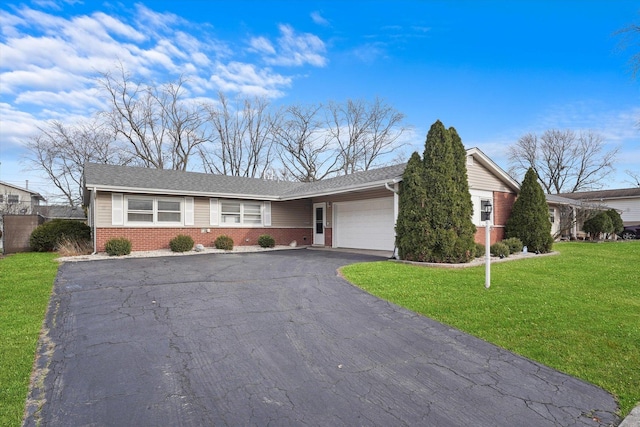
(616, 221)
(46, 237)
(529, 219)
(514, 244)
(499, 249)
(480, 250)
(181, 243)
(224, 242)
(598, 224)
(266, 241)
(118, 246)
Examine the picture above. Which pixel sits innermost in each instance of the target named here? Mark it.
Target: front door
(318, 223)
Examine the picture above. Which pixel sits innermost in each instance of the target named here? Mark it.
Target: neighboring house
(568, 215)
(18, 201)
(625, 200)
(151, 206)
(50, 212)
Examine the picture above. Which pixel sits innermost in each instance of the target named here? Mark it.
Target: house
(51, 212)
(625, 200)
(151, 206)
(17, 200)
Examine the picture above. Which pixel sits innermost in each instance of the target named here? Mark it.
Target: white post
(487, 254)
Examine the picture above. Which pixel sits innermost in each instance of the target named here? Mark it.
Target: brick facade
(148, 239)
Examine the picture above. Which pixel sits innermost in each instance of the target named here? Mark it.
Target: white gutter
(92, 207)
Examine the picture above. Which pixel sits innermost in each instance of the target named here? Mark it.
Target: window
(153, 210)
(168, 211)
(235, 212)
(13, 198)
(139, 210)
(1, 198)
(552, 215)
(230, 212)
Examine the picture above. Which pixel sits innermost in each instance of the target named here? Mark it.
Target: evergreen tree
(529, 219)
(599, 224)
(434, 222)
(410, 224)
(616, 221)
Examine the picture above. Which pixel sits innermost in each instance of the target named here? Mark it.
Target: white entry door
(319, 218)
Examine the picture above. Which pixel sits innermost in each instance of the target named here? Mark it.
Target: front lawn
(578, 312)
(26, 281)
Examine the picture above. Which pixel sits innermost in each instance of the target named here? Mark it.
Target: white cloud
(319, 19)
(293, 49)
(247, 79)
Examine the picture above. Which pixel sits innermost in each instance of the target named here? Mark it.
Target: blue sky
(494, 70)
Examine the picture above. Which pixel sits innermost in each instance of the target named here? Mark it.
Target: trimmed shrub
(499, 249)
(181, 243)
(266, 241)
(616, 221)
(515, 245)
(224, 242)
(118, 246)
(599, 224)
(46, 237)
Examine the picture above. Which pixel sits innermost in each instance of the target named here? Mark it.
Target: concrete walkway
(276, 338)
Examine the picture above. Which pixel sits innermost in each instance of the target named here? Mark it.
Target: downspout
(92, 210)
(395, 214)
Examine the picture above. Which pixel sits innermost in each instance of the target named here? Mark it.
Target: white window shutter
(117, 209)
(266, 214)
(188, 211)
(213, 212)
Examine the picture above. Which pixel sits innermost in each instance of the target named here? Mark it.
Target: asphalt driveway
(275, 338)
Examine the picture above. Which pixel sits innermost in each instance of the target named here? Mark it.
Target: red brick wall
(502, 205)
(148, 239)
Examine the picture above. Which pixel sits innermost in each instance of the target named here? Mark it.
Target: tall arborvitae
(529, 219)
(451, 230)
(410, 224)
(438, 225)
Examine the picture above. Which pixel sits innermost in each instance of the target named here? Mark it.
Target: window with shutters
(241, 213)
(141, 210)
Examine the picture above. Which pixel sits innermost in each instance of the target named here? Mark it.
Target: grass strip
(26, 281)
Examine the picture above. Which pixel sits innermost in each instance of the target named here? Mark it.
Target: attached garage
(364, 224)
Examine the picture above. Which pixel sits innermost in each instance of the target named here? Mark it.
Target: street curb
(633, 419)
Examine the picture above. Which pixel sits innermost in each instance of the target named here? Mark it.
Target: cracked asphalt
(275, 339)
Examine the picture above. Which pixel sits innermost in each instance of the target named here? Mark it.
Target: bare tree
(242, 138)
(564, 160)
(635, 178)
(61, 151)
(159, 126)
(303, 146)
(363, 132)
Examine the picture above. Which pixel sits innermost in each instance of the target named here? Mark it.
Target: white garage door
(364, 224)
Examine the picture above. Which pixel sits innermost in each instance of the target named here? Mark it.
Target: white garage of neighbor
(364, 224)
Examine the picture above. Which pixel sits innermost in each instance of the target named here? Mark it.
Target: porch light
(486, 210)
(486, 216)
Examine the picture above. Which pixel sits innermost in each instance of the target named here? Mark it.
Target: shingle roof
(163, 180)
(171, 181)
(604, 194)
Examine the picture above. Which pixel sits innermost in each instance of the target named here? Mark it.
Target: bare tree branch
(564, 161)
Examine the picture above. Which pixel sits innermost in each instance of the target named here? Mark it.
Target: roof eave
(160, 191)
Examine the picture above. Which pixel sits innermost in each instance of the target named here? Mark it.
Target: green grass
(578, 312)
(26, 281)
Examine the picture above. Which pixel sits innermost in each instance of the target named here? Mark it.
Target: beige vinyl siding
(481, 179)
(630, 209)
(293, 213)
